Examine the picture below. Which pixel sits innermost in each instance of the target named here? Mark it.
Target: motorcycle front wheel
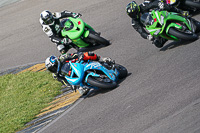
(182, 35)
(98, 39)
(122, 71)
(102, 83)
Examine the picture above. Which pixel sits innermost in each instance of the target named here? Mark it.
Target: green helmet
(133, 9)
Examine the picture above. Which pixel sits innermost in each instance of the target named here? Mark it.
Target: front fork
(88, 26)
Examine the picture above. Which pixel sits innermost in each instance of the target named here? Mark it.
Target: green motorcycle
(81, 34)
(169, 25)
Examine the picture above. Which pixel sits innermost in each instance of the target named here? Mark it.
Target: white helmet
(47, 17)
(52, 63)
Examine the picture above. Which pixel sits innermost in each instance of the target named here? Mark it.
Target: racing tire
(183, 36)
(96, 37)
(122, 71)
(100, 84)
(192, 4)
(197, 24)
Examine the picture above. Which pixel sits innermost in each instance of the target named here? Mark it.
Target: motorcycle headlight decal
(178, 26)
(162, 19)
(158, 31)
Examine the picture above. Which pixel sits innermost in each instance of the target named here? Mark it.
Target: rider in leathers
(134, 11)
(65, 58)
(50, 23)
(54, 65)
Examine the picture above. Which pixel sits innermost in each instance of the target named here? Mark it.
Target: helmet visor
(49, 20)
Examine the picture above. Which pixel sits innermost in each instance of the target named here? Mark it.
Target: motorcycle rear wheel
(191, 3)
(98, 82)
(181, 35)
(98, 39)
(122, 71)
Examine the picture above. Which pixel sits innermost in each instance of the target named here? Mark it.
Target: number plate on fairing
(94, 65)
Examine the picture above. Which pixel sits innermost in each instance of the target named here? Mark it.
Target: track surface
(161, 94)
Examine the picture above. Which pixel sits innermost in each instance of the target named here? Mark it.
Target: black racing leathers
(146, 7)
(54, 30)
(64, 59)
(57, 37)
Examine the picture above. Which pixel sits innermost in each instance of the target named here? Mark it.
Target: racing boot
(159, 42)
(83, 91)
(62, 80)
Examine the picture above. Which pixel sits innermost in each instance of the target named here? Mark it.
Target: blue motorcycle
(93, 74)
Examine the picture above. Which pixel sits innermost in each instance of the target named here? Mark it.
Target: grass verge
(22, 96)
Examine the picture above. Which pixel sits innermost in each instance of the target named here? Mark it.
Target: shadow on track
(101, 91)
(93, 48)
(195, 13)
(175, 44)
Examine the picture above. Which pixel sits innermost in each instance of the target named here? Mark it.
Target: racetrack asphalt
(161, 93)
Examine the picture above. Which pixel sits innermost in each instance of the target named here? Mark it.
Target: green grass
(22, 97)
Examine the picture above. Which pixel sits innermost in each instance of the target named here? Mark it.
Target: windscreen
(65, 69)
(67, 24)
(146, 19)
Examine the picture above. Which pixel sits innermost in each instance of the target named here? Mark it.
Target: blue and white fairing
(77, 69)
(78, 72)
(112, 74)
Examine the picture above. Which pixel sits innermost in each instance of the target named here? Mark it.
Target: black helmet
(133, 9)
(52, 63)
(47, 17)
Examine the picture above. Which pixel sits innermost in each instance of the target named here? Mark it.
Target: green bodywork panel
(75, 29)
(160, 26)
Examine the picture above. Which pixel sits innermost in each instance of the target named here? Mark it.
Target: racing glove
(63, 51)
(61, 79)
(54, 75)
(76, 15)
(65, 41)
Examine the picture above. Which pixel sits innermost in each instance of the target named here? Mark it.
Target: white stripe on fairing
(152, 30)
(157, 16)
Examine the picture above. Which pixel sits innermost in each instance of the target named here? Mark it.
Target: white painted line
(64, 113)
